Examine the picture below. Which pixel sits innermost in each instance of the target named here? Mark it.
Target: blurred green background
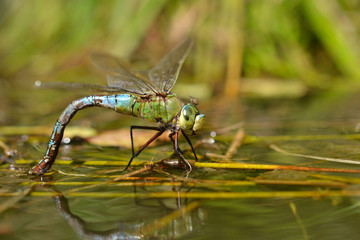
(262, 48)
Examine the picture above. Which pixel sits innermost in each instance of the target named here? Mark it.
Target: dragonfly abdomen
(63, 120)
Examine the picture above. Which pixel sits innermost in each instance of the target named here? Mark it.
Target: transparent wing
(126, 84)
(77, 86)
(122, 76)
(165, 72)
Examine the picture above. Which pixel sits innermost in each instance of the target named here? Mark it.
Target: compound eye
(188, 112)
(187, 118)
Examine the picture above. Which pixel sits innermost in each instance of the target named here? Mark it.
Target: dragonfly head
(190, 118)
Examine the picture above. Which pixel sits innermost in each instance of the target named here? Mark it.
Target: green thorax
(152, 108)
(157, 108)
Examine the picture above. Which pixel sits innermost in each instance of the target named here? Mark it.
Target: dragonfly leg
(158, 134)
(172, 139)
(140, 127)
(179, 152)
(189, 142)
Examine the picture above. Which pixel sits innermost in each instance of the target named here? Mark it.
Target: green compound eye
(188, 111)
(187, 117)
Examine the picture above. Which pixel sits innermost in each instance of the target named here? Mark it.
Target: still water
(85, 198)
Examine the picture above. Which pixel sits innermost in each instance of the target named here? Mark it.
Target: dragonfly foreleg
(179, 152)
(158, 134)
(189, 142)
(172, 140)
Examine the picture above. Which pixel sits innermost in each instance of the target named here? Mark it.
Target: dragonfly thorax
(156, 108)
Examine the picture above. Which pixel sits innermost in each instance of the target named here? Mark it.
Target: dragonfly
(141, 94)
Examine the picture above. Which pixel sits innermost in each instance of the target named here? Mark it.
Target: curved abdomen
(153, 108)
